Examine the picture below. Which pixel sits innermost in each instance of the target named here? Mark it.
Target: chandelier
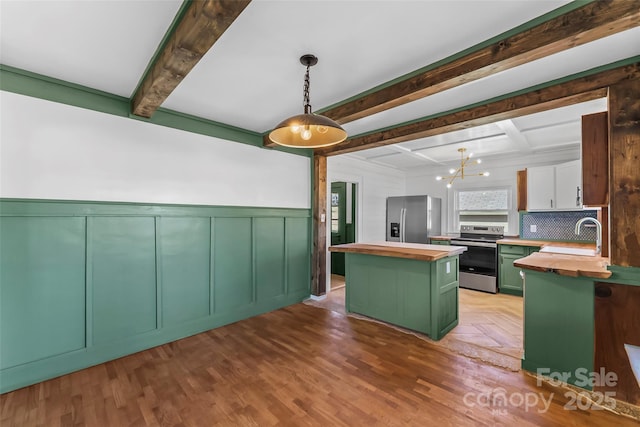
(308, 130)
(459, 173)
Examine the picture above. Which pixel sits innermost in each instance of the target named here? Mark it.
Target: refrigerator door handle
(403, 225)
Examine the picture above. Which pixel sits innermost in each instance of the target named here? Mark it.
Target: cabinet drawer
(514, 249)
(440, 242)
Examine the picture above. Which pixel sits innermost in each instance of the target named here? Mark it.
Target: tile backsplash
(557, 226)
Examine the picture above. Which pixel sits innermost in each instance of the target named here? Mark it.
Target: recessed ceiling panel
(403, 162)
(462, 135)
(478, 148)
(560, 115)
(104, 45)
(555, 135)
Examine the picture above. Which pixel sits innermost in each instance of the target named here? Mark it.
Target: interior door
(338, 224)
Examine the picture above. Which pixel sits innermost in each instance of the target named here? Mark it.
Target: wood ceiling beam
(582, 25)
(578, 90)
(199, 28)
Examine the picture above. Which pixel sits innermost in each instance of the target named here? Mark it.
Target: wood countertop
(543, 243)
(566, 265)
(417, 251)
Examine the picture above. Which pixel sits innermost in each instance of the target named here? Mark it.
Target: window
(489, 206)
(335, 213)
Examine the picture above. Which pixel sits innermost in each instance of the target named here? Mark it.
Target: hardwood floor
(300, 365)
(489, 321)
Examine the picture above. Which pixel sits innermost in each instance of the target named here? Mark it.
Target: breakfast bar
(559, 312)
(406, 284)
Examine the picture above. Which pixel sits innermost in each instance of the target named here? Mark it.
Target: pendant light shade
(308, 130)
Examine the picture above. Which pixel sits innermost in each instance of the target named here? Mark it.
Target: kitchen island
(406, 284)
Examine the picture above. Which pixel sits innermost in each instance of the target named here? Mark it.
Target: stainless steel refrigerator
(413, 219)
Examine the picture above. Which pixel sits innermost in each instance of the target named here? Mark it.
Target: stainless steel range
(479, 264)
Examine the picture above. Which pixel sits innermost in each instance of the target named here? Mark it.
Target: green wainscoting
(86, 282)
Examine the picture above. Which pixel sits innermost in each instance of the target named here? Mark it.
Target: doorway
(343, 221)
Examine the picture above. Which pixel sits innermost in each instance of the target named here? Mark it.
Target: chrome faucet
(598, 231)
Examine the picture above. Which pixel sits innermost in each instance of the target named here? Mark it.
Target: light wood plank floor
(300, 365)
(489, 321)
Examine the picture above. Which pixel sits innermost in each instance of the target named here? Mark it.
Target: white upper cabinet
(557, 187)
(541, 188)
(569, 185)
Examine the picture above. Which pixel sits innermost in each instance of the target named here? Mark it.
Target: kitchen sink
(569, 251)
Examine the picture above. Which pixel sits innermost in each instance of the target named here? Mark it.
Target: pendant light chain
(305, 93)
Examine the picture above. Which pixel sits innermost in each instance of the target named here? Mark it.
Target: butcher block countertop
(543, 243)
(442, 237)
(417, 251)
(566, 265)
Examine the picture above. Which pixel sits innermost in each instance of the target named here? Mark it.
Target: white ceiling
(252, 78)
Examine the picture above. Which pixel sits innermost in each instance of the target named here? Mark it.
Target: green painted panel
(123, 264)
(298, 256)
(447, 309)
(42, 288)
(270, 257)
(416, 297)
(383, 293)
(42, 242)
(558, 323)
(233, 261)
(185, 265)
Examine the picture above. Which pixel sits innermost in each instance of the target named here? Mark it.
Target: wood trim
(595, 159)
(624, 175)
(617, 324)
(521, 187)
(319, 255)
(581, 89)
(583, 25)
(197, 30)
(603, 217)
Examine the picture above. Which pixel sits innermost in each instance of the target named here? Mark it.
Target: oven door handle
(478, 244)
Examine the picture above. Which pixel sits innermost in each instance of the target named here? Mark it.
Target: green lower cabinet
(440, 242)
(559, 327)
(418, 295)
(509, 279)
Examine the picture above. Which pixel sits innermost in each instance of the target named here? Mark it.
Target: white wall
(374, 184)
(55, 151)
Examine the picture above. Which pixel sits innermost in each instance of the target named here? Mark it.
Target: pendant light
(308, 130)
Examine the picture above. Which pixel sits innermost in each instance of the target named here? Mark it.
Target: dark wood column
(319, 255)
(624, 172)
